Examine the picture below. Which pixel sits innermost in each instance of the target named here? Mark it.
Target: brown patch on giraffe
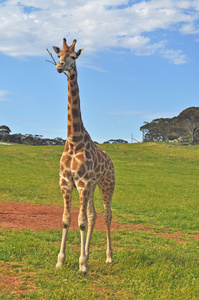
(69, 130)
(78, 138)
(66, 162)
(81, 184)
(66, 174)
(99, 157)
(89, 164)
(81, 171)
(75, 101)
(63, 182)
(74, 92)
(80, 157)
(88, 146)
(97, 169)
(91, 174)
(106, 164)
(79, 147)
(75, 113)
(86, 138)
(88, 155)
(72, 76)
(74, 164)
(92, 153)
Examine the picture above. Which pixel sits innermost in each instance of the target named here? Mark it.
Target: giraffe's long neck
(75, 124)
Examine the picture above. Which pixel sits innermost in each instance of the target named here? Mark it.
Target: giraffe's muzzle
(59, 68)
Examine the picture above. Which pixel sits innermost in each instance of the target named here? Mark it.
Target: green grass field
(157, 186)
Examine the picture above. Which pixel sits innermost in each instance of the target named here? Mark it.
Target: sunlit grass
(157, 186)
(144, 267)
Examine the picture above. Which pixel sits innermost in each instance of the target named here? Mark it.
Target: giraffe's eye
(58, 56)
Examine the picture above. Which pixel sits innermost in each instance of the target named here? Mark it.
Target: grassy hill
(157, 185)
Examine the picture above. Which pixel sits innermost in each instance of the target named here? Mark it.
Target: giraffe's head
(67, 56)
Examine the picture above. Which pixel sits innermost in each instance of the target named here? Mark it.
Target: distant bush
(119, 141)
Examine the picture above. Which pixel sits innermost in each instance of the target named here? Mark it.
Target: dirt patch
(177, 236)
(20, 215)
(196, 236)
(12, 281)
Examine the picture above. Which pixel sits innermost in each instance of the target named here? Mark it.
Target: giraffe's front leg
(82, 222)
(92, 216)
(83, 258)
(66, 188)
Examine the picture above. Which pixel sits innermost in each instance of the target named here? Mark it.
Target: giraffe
(83, 165)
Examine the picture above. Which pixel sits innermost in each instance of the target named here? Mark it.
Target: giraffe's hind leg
(106, 187)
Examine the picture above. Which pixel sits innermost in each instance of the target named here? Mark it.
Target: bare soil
(20, 215)
(12, 281)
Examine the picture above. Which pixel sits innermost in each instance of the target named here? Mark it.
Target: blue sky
(140, 62)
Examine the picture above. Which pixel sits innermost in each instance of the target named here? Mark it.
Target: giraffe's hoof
(83, 272)
(109, 255)
(109, 260)
(58, 265)
(83, 264)
(83, 269)
(60, 261)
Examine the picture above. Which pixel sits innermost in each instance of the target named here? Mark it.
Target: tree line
(183, 128)
(27, 139)
(39, 140)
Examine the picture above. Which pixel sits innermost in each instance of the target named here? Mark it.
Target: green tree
(4, 129)
(185, 127)
(190, 120)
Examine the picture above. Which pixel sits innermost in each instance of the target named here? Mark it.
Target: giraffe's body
(83, 165)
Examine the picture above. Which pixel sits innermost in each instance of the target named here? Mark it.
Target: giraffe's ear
(56, 49)
(78, 53)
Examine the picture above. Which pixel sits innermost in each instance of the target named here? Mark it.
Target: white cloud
(3, 94)
(29, 29)
(190, 28)
(174, 56)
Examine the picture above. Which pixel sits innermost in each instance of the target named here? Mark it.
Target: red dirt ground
(11, 280)
(20, 215)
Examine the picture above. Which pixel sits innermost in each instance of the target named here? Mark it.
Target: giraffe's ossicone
(83, 165)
